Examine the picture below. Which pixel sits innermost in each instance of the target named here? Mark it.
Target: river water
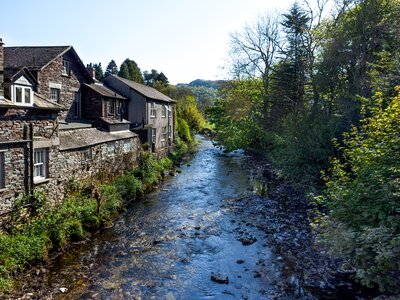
(168, 245)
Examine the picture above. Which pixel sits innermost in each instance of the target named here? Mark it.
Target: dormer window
(66, 68)
(22, 92)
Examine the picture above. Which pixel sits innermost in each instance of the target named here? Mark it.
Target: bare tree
(253, 53)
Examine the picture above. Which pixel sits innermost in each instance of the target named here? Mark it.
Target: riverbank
(38, 232)
(285, 215)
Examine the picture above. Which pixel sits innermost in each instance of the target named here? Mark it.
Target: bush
(362, 193)
(129, 187)
(302, 148)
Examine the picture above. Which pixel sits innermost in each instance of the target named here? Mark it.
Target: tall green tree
(112, 69)
(295, 25)
(154, 78)
(130, 70)
(99, 75)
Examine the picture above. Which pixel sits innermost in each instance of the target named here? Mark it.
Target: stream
(187, 240)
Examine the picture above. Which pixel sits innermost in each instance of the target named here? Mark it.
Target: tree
(153, 78)
(130, 70)
(98, 71)
(253, 53)
(112, 68)
(295, 25)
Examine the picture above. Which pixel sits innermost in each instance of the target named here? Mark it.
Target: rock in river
(219, 278)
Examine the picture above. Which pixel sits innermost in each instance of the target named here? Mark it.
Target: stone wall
(1, 70)
(92, 105)
(80, 164)
(52, 76)
(14, 133)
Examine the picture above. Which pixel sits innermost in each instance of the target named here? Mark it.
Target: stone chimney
(1, 70)
(91, 70)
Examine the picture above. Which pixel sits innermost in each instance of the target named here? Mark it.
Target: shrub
(129, 187)
(362, 193)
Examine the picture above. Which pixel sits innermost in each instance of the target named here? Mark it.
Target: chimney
(1, 70)
(91, 70)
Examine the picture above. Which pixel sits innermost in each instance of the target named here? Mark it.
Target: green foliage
(363, 194)
(151, 170)
(130, 70)
(112, 69)
(184, 130)
(129, 186)
(302, 147)
(237, 117)
(187, 109)
(154, 79)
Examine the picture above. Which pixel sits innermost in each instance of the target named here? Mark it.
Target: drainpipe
(31, 184)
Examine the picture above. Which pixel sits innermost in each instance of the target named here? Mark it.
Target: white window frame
(153, 110)
(170, 131)
(66, 67)
(127, 146)
(111, 149)
(40, 166)
(164, 111)
(153, 135)
(25, 90)
(164, 136)
(55, 94)
(2, 171)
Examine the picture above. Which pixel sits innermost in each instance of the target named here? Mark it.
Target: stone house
(58, 71)
(105, 107)
(149, 111)
(44, 142)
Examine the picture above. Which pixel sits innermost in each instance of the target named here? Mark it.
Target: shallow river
(168, 245)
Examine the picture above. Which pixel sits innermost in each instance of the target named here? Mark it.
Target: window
(2, 176)
(76, 109)
(66, 67)
(111, 107)
(27, 92)
(40, 162)
(164, 111)
(153, 110)
(18, 94)
(153, 135)
(110, 149)
(55, 94)
(87, 155)
(164, 135)
(170, 132)
(22, 95)
(127, 146)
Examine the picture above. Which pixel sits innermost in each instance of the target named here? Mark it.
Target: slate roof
(75, 139)
(34, 58)
(145, 90)
(39, 102)
(104, 91)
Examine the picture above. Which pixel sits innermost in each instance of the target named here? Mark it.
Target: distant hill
(205, 91)
(212, 84)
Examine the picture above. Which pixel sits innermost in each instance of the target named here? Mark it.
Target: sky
(185, 39)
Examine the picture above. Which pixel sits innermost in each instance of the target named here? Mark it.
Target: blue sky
(186, 39)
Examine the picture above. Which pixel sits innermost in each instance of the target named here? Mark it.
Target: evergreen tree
(112, 68)
(295, 25)
(99, 75)
(130, 70)
(154, 78)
